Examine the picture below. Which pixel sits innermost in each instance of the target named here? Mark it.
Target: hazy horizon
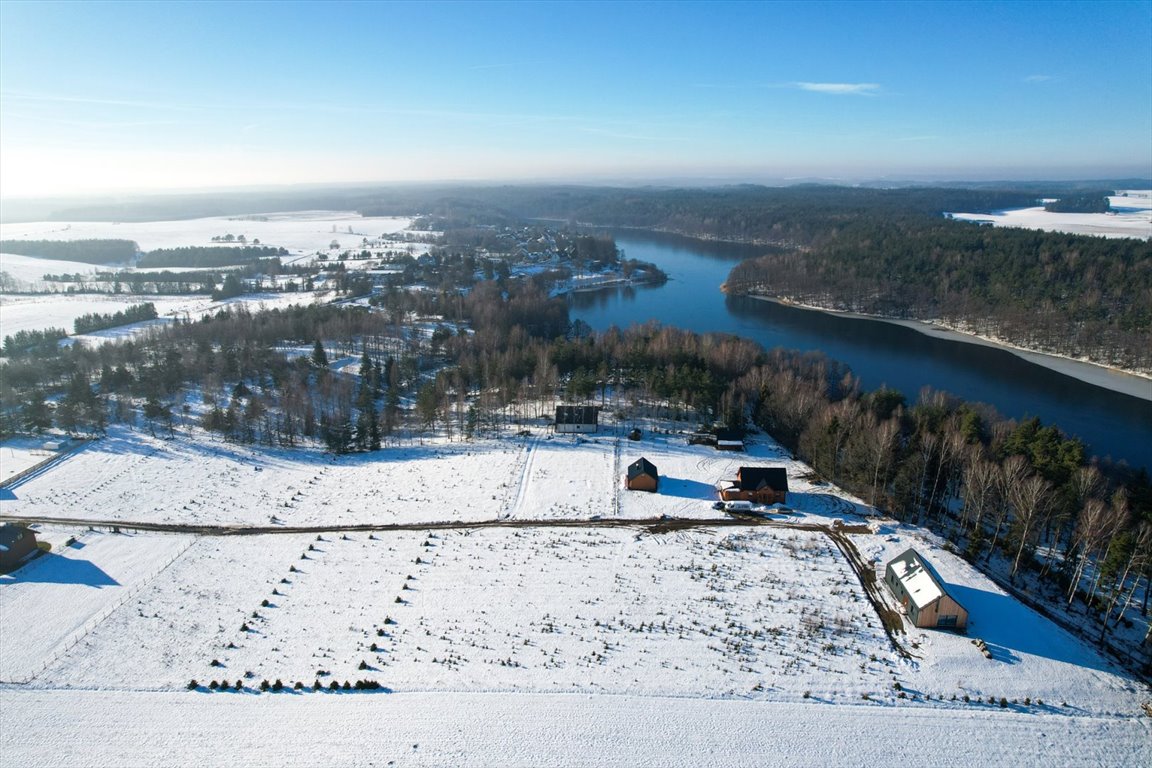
(178, 97)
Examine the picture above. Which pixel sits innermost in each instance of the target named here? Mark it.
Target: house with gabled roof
(577, 419)
(920, 591)
(17, 543)
(642, 476)
(763, 485)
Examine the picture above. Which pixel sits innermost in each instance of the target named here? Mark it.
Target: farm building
(729, 440)
(763, 485)
(642, 476)
(577, 419)
(16, 543)
(922, 593)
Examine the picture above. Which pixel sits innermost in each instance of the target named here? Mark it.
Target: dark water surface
(1110, 423)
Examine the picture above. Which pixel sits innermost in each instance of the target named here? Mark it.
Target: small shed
(763, 485)
(577, 419)
(16, 543)
(921, 592)
(642, 476)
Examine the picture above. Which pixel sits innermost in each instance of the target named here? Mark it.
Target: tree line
(95, 321)
(83, 251)
(209, 256)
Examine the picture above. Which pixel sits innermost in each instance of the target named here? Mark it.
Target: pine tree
(319, 356)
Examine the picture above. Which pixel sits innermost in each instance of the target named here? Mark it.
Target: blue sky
(99, 96)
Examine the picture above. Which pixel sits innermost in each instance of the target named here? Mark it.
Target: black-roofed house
(763, 485)
(642, 476)
(16, 544)
(577, 419)
(921, 593)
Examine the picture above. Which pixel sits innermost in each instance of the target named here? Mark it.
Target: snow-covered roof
(917, 577)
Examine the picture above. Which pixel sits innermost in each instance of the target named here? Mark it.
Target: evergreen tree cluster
(33, 343)
(210, 256)
(95, 321)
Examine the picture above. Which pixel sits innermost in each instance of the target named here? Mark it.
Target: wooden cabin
(642, 476)
(577, 419)
(921, 592)
(762, 485)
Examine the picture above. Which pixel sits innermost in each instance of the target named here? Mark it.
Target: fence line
(45, 464)
(90, 625)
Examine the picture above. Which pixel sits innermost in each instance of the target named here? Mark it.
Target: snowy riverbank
(1114, 379)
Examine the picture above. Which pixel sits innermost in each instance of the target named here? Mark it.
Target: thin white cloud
(840, 89)
(1037, 78)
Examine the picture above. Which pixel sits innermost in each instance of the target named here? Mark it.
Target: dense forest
(1066, 294)
(83, 251)
(1087, 203)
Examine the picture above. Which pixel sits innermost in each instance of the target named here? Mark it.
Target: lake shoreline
(1114, 379)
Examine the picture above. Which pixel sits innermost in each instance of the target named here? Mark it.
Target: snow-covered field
(34, 313)
(119, 729)
(203, 481)
(1131, 217)
(522, 645)
(299, 231)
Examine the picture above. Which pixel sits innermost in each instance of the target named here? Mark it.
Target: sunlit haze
(143, 96)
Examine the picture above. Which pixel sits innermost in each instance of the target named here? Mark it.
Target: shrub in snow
(193, 685)
(299, 686)
(277, 686)
(334, 686)
(1003, 702)
(216, 663)
(264, 603)
(347, 686)
(213, 685)
(244, 627)
(363, 664)
(316, 685)
(372, 648)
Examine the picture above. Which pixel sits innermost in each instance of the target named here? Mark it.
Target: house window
(947, 621)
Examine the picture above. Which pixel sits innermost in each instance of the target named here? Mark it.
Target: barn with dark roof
(642, 476)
